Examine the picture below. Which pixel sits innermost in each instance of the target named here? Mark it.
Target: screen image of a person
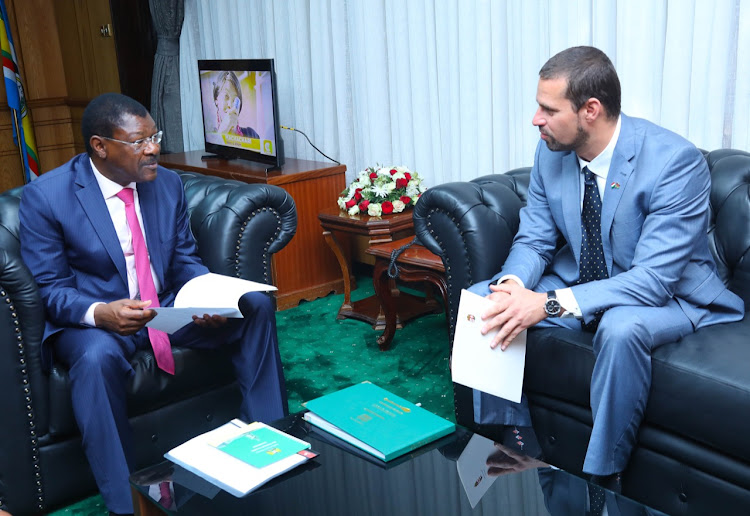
(228, 101)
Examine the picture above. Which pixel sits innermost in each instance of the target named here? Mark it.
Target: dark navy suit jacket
(69, 242)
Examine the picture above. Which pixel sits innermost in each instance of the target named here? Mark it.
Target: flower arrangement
(382, 190)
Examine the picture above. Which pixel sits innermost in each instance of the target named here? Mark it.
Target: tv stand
(207, 157)
(216, 157)
(306, 268)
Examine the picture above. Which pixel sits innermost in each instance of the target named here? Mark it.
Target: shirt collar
(600, 165)
(108, 187)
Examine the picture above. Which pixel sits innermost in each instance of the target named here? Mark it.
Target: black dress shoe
(611, 482)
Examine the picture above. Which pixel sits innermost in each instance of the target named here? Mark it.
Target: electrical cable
(311, 143)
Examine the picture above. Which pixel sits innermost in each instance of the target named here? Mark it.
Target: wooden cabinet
(306, 268)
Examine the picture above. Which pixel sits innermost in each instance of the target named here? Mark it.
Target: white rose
(390, 186)
(374, 210)
(399, 175)
(402, 169)
(342, 203)
(384, 172)
(354, 210)
(398, 206)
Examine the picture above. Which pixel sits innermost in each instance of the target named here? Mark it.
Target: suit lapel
(91, 200)
(571, 199)
(620, 170)
(148, 202)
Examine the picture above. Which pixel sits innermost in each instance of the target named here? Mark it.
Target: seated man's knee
(256, 304)
(622, 325)
(94, 350)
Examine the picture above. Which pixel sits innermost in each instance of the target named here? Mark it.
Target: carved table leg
(333, 243)
(384, 291)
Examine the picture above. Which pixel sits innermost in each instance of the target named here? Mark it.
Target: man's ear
(592, 109)
(97, 145)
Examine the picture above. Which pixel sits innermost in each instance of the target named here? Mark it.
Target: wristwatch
(552, 305)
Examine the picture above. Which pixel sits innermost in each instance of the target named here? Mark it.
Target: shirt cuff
(512, 277)
(569, 303)
(88, 317)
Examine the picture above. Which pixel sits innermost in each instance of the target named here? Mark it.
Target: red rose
(363, 205)
(357, 195)
(401, 183)
(387, 207)
(393, 171)
(405, 199)
(407, 176)
(351, 202)
(373, 176)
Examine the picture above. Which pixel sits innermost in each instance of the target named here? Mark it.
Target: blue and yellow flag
(24, 134)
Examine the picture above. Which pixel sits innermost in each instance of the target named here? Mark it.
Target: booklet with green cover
(376, 420)
(262, 446)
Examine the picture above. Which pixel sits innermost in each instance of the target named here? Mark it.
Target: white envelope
(475, 364)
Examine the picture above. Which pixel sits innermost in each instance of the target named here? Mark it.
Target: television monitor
(240, 110)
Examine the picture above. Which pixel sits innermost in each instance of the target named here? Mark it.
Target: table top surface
(335, 219)
(345, 481)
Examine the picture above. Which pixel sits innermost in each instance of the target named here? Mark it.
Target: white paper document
(212, 294)
(200, 456)
(473, 470)
(475, 364)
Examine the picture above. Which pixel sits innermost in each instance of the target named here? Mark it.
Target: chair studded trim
(33, 441)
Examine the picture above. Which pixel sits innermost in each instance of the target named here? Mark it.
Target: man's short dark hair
(104, 114)
(590, 73)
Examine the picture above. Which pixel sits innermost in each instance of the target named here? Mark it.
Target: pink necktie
(159, 339)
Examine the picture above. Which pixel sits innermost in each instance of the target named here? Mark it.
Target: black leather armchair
(693, 452)
(238, 227)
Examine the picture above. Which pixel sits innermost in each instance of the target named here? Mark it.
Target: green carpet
(321, 355)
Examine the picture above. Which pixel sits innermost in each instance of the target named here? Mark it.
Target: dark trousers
(99, 366)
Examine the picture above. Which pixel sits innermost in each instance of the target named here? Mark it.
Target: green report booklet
(262, 446)
(376, 421)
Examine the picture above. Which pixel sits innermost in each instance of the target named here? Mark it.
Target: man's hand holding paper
(477, 361)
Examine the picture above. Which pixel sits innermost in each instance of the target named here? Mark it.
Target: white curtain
(447, 87)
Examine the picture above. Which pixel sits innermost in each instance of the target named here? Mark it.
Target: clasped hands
(513, 309)
(128, 316)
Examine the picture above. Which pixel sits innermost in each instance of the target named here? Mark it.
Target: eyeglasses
(139, 144)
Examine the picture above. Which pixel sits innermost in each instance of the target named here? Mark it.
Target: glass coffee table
(344, 481)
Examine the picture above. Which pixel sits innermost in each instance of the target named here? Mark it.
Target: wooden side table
(379, 230)
(304, 269)
(415, 264)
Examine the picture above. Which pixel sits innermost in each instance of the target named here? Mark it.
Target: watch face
(552, 307)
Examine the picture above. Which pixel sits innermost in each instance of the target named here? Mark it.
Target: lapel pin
(615, 185)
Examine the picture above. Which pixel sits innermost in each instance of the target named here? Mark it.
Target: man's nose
(538, 119)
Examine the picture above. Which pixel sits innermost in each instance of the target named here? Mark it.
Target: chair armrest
(237, 225)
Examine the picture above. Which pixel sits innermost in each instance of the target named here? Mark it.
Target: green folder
(377, 421)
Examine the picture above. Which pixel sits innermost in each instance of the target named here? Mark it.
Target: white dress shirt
(116, 208)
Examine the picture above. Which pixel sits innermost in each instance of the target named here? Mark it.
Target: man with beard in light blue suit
(634, 266)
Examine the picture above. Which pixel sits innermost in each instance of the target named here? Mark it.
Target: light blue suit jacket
(69, 242)
(655, 217)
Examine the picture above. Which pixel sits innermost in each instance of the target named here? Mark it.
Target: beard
(580, 139)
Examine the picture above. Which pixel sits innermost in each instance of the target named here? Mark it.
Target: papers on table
(475, 364)
(201, 456)
(212, 294)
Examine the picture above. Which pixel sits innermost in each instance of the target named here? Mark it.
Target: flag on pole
(23, 134)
